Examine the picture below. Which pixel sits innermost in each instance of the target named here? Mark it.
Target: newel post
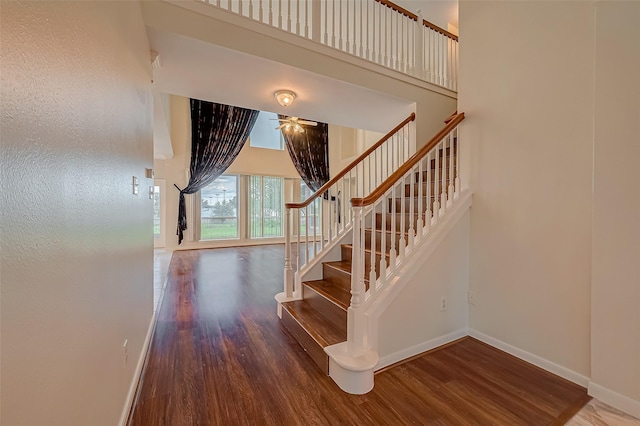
(288, 270)
(355, 315)
(418, 45)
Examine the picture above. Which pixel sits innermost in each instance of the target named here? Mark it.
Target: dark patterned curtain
(218, 133)
(309, 152)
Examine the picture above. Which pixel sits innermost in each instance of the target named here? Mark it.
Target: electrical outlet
(125, 350)
(471, 298)
(443, 304)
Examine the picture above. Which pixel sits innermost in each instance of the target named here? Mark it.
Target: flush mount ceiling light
(285, 97)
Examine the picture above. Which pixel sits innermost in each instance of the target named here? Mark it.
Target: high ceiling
(197, 69)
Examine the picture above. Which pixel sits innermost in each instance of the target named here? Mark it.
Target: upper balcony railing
(378, 31)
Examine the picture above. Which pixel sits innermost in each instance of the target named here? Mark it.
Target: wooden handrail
(413, 16)
(408, 165)
(351, 165)
(397, 8)
(451, 117)
(437, 29)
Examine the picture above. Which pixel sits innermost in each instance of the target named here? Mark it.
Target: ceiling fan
(294, 124)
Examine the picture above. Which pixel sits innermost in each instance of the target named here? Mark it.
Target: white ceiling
(201, 70)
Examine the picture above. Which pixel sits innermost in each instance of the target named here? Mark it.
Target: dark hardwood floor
(220, 356)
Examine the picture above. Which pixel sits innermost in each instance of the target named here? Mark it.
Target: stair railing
(378, 31)
(405, 208)
(318, 222)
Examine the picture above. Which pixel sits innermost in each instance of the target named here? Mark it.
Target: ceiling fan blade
(281, 126)
(279, 119)
(308, 123)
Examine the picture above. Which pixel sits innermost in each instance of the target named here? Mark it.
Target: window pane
(219, 209)
(264, 133)
(314, 211)
(266, 206)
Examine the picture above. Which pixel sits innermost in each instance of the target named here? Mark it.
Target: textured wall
(528, 97)
(76, 244)
(615, 320)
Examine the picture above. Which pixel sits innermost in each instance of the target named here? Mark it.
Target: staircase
(320, 318)
(395, 218)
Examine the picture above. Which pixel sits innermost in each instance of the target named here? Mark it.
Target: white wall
(615, 330)
(526, 86)
(77, 255)
(414, 322)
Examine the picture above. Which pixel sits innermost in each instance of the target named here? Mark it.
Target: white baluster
(392, 251)
(306, 19)
(348, 45)
(397, 35)
(372, 246)
(280, 14)
(452, 154)
(340, 28)
(457, 180)
(436, 187)
(298, 265)
(428, 212)
(326, 20)
(379, 7)
(333, 23)
(418, 47)
(270, 12)
(297, 16)
(384, 201)
(368, 38)
(420, 222)
(315, 225)
(401, 54)
(355, 330)
(306, 235)
(289, 15)
(288, 270)
(403, 214)
(386, 37)
(361, 26)
(412, 178)
(443, 180)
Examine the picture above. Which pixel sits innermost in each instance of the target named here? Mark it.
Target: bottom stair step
(312, 330)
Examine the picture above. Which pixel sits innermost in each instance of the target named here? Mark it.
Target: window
(219, 209)
(266, 205)
(314, 210)
(264, 133)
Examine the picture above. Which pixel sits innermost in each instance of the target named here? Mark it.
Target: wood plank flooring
(220, 356)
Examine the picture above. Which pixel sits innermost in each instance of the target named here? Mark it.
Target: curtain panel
(309, 152)
(218, 133)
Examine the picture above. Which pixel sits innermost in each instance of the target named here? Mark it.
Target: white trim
(420, 348)
(137, 373)
(536, 360)
(615, 399)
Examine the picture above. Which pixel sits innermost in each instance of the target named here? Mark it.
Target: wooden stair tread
(320, 328)
(368, 250)
(340, 264)
(334, 293)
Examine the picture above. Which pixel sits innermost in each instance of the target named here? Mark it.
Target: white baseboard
(138, 371)
(551, 367)
(616, 400)
(420, 348)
